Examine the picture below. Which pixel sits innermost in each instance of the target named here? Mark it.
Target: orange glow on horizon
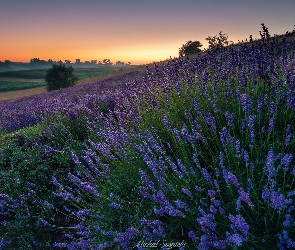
(130, 31)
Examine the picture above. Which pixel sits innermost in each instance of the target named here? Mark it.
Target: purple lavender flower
(160, 211)
(174, 168)
(211, 193)
(128, 235)
(246, 103)
(206, 220)
(251, 124)
(206, 175)
(115, 206)
(196, 161)
(239, 204)
(144, 178)
(271, 124)
(160, 197)
(182, 167)
(286, 161)
(114, 196)
(233, 179)
(270, 169)
(273, 108)
(250, 183)
(197, 107)
(239, 223)
(187, 192)
(30, 184)
(83, 213)
(64, 195)
(210, 120)
(216, 184)
(60, 244)
(229, 118)
(245, 197)
(263, 129)
(217, 172)
(259, 105)
(226, 138)
(186, 135)
(235, 239)
(285, 241)
(288, 221)
(278, 200)
(288, 139)
(44, 222)
(182, 205)
(192, 235)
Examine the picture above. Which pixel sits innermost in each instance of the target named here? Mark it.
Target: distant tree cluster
(107, 62)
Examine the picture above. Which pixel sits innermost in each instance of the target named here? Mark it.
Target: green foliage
(24, 74)
(28, 159)
(11, 86)
(60, 76)
(190, 47)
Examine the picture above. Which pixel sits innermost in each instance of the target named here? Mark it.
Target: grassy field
(27, 79)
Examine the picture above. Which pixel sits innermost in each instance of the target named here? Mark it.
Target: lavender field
(191, 154)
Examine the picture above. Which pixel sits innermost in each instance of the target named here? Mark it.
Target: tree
(119, 63)
(60, 76)
(190, 48)
(107, 62)
(218, 41)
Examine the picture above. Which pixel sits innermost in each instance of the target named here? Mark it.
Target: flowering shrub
(200, 152)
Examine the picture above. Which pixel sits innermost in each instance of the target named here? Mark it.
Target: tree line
(39, 62)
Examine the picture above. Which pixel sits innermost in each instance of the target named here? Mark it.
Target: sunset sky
(139, 31)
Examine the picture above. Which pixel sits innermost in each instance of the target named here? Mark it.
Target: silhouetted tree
(107, 61)
(189, 48)
(60, 76)
(217, 41)
(120, 63)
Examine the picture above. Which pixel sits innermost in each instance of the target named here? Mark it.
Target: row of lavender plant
(201, 153)
(72, 102)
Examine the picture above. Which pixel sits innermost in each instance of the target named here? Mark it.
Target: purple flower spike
(288, 221)
(270, 169)
(229, 118)
(187, 192)
(245, 197)
(239, 223)
(271, 124)
(251, 124)
(192, 235)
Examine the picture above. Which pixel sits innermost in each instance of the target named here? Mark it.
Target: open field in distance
(17, 84)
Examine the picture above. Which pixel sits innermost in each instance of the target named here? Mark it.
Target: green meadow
(32, 78)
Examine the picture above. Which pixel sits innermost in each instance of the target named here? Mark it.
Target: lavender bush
(199, 152)
(203, 155)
